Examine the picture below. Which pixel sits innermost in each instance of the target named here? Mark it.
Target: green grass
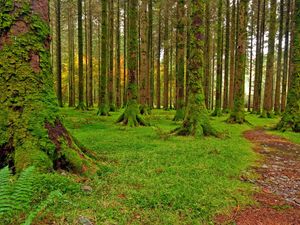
(146, 179)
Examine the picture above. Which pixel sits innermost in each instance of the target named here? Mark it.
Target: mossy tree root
(103, 110)
(131, 116)
(179, 115)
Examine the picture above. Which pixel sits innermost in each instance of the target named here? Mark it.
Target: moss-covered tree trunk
(291, 116)
(238, 115)
(217, 111)
(144, 62)
(71, 55)
(131, 115)
(166, 53)
(285, 57)
(111, 78)
(207, 59)
(80, 105)
(58, 53)
(279, 61)
(31, 132)
(196, 120)
(268, 94)
(232, 54)
(180, 104)
(118, 59)
(103, 99)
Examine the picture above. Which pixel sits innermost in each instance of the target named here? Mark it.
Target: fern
(6, 202)
(23, 189)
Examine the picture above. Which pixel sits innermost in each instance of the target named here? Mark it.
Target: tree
(31, 130)
(166, 54)
(291, 117)
(285, 57)
(268, 95)
(103, 100)
(227, 56)
(80, 105)
(196, 120)
(89, 81)
(118, 59)
(71, 55)
(180, 58)
(238, 115)
(131, 115)
(232, 54)
(58, 54)
(158, 92)
(144, 75)
(218, 111)
(279, 61)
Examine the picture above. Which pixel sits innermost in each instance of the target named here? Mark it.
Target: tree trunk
(71, 57)
(158, 92)
(150, 52)
(218, 111)
(131, 115)
(58, 54)
(166, 55)
(251, 60)
(180, 67)
(144, 75)
(232, 54)
(285, 57)
(238, 113)
(227, 55)
(32, 133)
(103, 99)
(118, 59)
(207, 59)
(291, 116)
(111, 78)
(268, 95)
(279, 61)
(125, 54)
(90, 57)
(196, 120)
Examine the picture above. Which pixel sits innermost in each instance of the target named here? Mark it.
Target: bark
(131, 115)
(268, 95)
(158, 85)
(279, 61)
(207, 59)
(291, 116)
(90, 57)
(111, 78)
(238, 114)
(151, 52)
(103, 98)
(227, 55)
(71, 55)
(118, 59)
(125, 55)
(58, 53)
(232, 54)
(285, 57)
(166, 55)
(196, 122)
(80, 105)
(217, 111)
(31, 132)
(180, 69)
(144, 75)
(251, 61)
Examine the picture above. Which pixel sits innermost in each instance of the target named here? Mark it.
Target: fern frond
(23, 189)
(50, 199)
(6, 201)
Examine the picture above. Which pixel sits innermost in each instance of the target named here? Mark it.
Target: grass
(146, 179)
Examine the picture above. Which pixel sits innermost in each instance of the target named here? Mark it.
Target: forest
(149, 112)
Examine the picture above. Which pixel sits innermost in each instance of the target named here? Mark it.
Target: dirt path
(279, 200)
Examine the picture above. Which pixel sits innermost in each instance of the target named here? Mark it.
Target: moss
(179, 115)
(28, 101)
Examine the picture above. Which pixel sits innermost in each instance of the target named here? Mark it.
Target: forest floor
(147, 177)
(278, 202)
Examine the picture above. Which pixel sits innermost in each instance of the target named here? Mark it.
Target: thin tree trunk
(166, 55)
(118, 59)
(58, 54)
(158, 91)
(227, 55)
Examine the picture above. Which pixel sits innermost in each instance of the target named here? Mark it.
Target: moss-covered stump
(131, 116)
(103, 110)
(179, 115)
(30, 129)
(145, 110)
